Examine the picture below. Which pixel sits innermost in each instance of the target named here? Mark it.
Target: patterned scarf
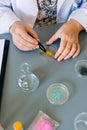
(47, 12)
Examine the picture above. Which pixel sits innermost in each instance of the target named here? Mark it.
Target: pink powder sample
(43, 124)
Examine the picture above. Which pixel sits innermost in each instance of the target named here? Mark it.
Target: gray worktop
(24, 106)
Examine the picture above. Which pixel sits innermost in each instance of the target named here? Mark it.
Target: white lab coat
(27, 10)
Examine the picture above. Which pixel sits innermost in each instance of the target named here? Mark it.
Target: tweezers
(41, 47)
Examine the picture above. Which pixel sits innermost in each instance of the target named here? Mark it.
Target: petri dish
(50, 51)
(80, 122)
(81, 69)
(57, 93)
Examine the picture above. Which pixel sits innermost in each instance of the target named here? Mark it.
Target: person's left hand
(69, 45)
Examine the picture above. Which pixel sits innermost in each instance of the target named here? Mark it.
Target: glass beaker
(81, 121)
(28, 81)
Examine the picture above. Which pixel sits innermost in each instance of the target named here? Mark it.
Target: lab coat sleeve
(80, 15)
(7, 17)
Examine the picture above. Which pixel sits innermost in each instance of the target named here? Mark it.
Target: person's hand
(21, 38)
(69, 45)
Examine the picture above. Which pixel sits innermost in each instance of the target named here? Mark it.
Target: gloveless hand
(69, 44)
(21, 38)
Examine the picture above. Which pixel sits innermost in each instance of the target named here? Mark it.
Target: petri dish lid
(81, 121)
(57, 93)
(81, 69)
(50, 51)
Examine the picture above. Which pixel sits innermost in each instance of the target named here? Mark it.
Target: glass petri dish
(81, 69)
(50, 51)
(57, 93)
(80, 122)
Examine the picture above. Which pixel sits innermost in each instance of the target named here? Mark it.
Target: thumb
(53, 38)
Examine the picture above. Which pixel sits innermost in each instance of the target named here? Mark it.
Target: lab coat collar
(59, 4)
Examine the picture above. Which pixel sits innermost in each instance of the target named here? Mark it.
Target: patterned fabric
(47, 12)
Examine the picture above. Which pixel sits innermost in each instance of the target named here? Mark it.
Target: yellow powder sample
(48, 53)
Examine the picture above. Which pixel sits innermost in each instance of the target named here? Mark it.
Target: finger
(22, 47)
(20, 41)
(78, 51)
(72, 52)
(27, 37)
(53, 38)
(66, 51)
(61, 48)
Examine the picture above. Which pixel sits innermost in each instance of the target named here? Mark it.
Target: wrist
(13, 24)
(77, 25)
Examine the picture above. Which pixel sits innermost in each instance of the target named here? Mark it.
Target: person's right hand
(21, 38)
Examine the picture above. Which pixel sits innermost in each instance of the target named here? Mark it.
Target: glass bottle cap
(57, 93)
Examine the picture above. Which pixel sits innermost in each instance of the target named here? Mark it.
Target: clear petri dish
(81, 69)
(57, 93)
(80, 122)
(50, 51)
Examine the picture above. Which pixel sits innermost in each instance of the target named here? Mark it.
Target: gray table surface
(18, 105)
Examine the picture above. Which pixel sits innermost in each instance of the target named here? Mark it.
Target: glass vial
(27, 80)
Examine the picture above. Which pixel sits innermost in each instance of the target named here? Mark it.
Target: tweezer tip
(42, 47)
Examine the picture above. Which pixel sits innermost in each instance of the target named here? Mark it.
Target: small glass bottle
(27, 80)
(18, 125)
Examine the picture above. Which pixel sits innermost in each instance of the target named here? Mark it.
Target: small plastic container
(57, 93)
(50, 51)
(81, 69)
(42, 121)
(80, 122)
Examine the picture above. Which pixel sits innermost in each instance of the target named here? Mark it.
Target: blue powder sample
(56, 95)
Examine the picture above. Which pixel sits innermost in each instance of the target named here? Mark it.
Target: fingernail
(59, 59)
(36, 42)
(74, 57)
(55, 57)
